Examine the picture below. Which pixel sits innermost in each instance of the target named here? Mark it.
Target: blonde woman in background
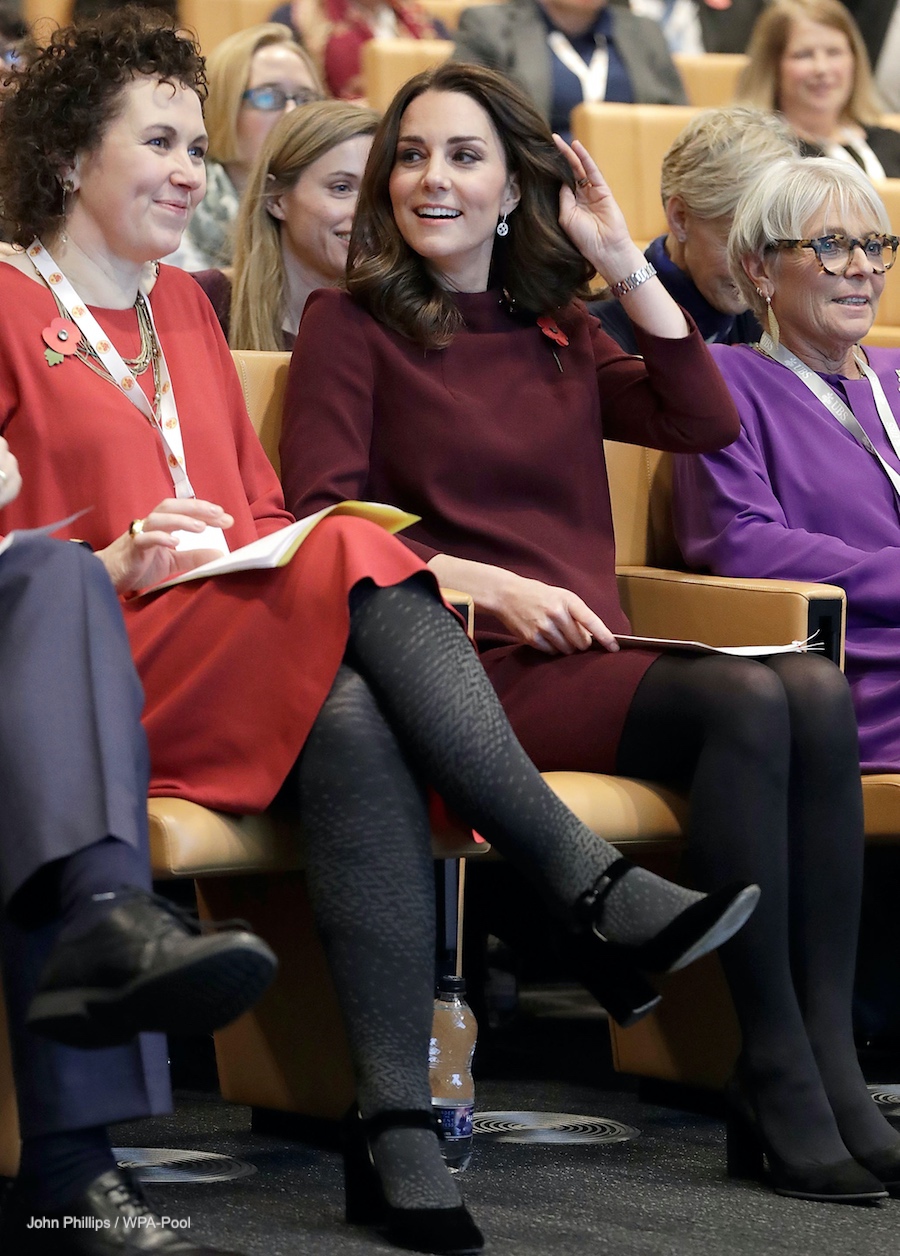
(808, 60)
(718, 155)
(294, 224)
(254, 77)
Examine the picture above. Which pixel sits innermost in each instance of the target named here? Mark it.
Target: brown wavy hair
(62, 101)
(536, 264)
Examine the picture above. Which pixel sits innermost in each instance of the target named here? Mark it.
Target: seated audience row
(465, 385)
(339, 680)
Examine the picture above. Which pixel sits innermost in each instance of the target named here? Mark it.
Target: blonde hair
(719, 154)
(781, 203)
(294, 143)
(228, 73)
(758, 84)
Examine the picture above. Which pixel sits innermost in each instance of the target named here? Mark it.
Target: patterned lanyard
(166, 419)
(836, 406)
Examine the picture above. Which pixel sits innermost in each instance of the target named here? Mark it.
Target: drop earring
(503, 226)
(774, 329)
(68, 187)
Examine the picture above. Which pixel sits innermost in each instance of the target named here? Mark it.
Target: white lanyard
(836, 406)
(591, 77)
(166, 421)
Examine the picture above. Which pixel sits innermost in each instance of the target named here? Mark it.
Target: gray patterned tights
(410, 706)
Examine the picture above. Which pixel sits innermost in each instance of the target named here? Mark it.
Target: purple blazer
(797, 498)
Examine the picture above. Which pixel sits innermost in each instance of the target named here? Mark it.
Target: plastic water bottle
(453, 1037)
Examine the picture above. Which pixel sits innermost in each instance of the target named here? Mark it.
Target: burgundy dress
(235, 669)
(497, 442)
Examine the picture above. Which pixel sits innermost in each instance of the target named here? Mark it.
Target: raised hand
(591, 218)
(143, 556)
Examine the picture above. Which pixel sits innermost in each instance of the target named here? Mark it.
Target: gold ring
(583, 183)
(136, 527)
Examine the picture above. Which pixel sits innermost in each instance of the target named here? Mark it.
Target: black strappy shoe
(614, 972)
(443, 1231)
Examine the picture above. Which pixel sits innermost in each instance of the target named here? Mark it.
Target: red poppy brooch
(553, 332)
(62, 338)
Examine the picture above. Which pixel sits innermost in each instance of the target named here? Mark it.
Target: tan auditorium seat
(628, 143)
(388, 63)
(710, 78)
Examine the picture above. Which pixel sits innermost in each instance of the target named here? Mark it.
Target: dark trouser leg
(73, 777)
(725, 726)
(63, 1089)
(73, 759)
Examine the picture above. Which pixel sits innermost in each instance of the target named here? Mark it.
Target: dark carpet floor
(662, 1194)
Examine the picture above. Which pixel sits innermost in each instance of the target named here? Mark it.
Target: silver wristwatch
(632, 281)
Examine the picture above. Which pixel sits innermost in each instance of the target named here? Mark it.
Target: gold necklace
(148, 353)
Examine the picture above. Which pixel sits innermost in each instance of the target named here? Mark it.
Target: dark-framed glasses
(9, 54)
(834, 252)
(269, 98)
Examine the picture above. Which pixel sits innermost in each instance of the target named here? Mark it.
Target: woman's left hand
(591, 218)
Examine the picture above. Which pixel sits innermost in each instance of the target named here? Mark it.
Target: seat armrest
(463, 604)
(721, 610)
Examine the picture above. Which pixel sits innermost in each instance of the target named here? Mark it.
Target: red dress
(497, 442)
(234, 669)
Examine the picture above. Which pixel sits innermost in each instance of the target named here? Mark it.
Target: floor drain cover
(165, 1164)
(550, 1127)
(887, 1095)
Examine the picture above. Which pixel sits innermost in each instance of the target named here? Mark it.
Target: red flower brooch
(62, 338)
(549, 328)
(554, 333)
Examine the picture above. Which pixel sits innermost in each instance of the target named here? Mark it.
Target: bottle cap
(451, 985)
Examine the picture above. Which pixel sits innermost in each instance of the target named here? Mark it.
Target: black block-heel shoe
(442, 1231)
(613, 971)
(886, 1167)
(747, 1152)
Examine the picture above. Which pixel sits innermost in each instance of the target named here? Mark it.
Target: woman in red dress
(466, 385)
(119, 397)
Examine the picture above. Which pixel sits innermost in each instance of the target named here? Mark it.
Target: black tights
(771, 758)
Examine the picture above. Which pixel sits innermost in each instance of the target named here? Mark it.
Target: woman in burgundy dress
(119, 397)
(466, 385)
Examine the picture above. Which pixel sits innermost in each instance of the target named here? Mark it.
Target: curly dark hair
(62, 101)
(536, 264)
